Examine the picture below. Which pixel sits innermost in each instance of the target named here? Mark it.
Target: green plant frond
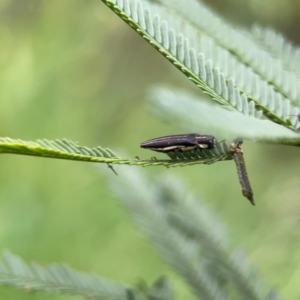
(175, 197)
(186, 52)
(250, 85)
(185, 212)
(176, 221)
(169, 43)
(65, 149)
(239, 43)
(247, 283)
(175, 249)
(279, 47)
(179, 107)
(57, 278)
(238, 262)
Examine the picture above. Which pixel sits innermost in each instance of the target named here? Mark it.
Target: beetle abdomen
(170, 140)
(181, 142)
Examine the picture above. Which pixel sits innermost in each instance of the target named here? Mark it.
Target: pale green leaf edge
(178, 106)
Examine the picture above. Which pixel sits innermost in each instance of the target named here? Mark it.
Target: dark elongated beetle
(180, 142)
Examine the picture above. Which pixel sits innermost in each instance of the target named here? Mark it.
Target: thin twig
(238, 157)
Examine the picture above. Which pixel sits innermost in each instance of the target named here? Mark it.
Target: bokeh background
(73, 69)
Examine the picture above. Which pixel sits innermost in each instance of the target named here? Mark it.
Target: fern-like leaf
(279, 47)
(239, 44)
(192, 219)
(237, 273)
(182, 47)
(174, 46)
(58, 279)
(65, 149)
(175, 248)
(188, 237)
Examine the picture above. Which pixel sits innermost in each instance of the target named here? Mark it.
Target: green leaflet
(66, 149)
(279, 47)
(57, 278)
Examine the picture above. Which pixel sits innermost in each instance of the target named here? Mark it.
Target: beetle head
(208, 140)
(212, 143)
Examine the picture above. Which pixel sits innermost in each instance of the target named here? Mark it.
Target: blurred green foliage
(280, 15)
(73, 69)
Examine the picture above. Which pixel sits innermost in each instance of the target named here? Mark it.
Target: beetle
(180, 142)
